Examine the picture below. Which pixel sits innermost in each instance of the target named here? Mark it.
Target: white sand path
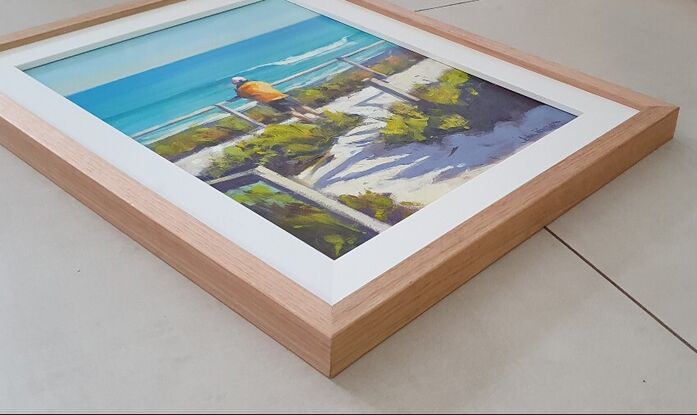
(416, 172)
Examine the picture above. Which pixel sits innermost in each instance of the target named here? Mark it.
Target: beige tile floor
(91, 321)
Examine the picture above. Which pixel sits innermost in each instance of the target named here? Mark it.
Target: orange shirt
(259, 91)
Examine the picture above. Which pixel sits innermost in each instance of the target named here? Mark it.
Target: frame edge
(82, 21)
(279, 307)
(385, 305)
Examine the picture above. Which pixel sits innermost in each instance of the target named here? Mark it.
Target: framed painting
(327, 169)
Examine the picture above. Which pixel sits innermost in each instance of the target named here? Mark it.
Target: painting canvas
(329, 132)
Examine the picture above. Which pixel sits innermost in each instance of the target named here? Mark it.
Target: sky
(109, 63)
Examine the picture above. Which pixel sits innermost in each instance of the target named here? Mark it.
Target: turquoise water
(158, 95)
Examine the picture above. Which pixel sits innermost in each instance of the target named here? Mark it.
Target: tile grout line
(622, 290)
(445, 5)
(578, 254)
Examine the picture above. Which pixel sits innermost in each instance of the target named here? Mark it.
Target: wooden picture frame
(331, 338)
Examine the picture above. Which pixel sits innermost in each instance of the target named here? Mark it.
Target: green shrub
(380, 206)
(396, 63)
(439, 114)
(266, 115)
(189, 141)
(449, 123)
(448, 89)
(409, 124)
(454, 77)
(329, 233)
(339, 86)
(286, 148)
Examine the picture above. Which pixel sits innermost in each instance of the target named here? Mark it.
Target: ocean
(154, 97)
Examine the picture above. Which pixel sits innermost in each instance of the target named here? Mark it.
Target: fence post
(363, 67)
(385, 87)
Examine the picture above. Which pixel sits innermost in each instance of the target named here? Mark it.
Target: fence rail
(238, 111)
(308, 193)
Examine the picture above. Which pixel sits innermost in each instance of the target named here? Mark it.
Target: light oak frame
(331, 338)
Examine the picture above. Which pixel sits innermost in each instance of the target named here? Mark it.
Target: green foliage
(196, 138)
(381, 206)
(396, 63)
(329, 233)
(336, 123)
(337, 242)
(451, 122)
(441, 112)
(454, 77)
(409, 124)
(266, 115)
(339, 86)
(439, 93)
(407, 111)
(286, 148)
(447, 91)
(232, 124)
(260, 193)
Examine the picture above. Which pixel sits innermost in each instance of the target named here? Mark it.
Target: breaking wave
(291, 60)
